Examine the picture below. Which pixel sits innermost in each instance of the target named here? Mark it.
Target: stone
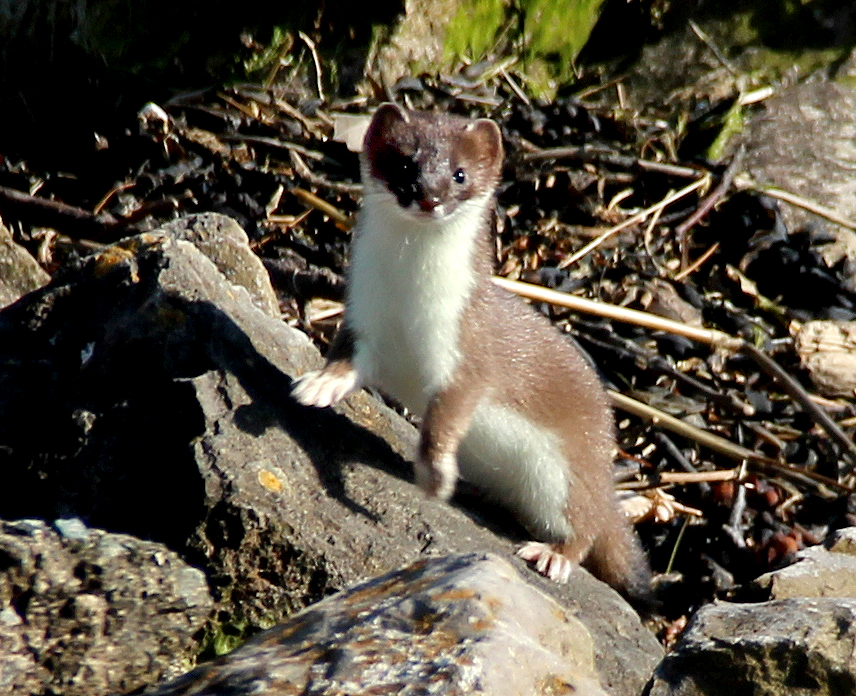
(455, 625)
(843, 541)
(816, 571)
(417, 39)
(93, 613)
(802, 141)
(226, 244)
(20, 273)
(789, 647)
(827, 350)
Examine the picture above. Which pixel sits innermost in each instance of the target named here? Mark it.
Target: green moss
(557, 30)
(223, 637)
(274, 51)
(547, 34)
(776, 63)
(472, 32)
(732, 125)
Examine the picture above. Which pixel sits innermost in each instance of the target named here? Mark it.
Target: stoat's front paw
(437, 479)
(325, 387)
(548, 561)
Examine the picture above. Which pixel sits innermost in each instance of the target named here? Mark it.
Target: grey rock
(457, 625)
(78, 621)
(784, 647)
(223, 241)
(418, 38)
(20, 273)
(804, 141)
(827, 351)
(843, 541)
(72, 528)
(192, 440)
(817, 571)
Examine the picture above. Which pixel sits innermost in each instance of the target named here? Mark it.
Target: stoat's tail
(617, 558)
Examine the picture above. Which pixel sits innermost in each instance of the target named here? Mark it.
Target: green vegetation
(547, 35)
(473, 32)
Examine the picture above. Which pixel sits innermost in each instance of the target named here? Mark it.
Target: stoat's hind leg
(327, 386)
(552, 560)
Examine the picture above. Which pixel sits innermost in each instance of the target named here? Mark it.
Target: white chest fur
(410, 280)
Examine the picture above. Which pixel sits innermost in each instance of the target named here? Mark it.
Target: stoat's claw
(548, 561)
(325, 387)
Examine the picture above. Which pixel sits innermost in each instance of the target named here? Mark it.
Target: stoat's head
(430, 163)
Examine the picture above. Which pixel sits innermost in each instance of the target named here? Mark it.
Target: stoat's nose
(429, 204)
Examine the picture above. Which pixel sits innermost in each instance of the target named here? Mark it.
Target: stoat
(505, 401)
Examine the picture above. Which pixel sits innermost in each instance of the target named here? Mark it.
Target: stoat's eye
(408, 168)
(460, 176)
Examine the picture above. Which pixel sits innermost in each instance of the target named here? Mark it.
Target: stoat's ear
(487, 140)
(383, 120)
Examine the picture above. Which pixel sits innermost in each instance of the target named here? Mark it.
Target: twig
(619, 92)
(303, 170)
(118, 188)
(646, 240)
(586, 153)
(799, 201)
(521, 95)
(342, 221)
(287, 45)
(765, 435)
(271, 142)
(712, 337)
(707, 41)
(317, 61)
(674, 553)
(756, 95)
(243, 108)
(664, 441)
(633, 219)
(681, 478)
(707, 204)
(732, 527)
(698, 263)
(591, 91)
(168, 204)
(297, 115)
(61, 216)
(798, 394)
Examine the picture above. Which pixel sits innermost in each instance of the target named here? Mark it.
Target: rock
(417, 39)
(791, 646)
(20, 273)
(816, 571)
(803, 142)
(827, 349)
(165, 391)
(455, 625)
(225, 243)
(842, 541)
(87, 612)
